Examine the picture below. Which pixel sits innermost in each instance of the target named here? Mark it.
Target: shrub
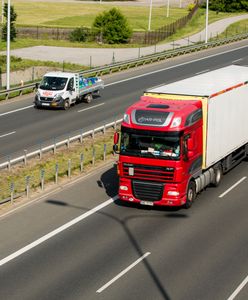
(79, 34)
(112, 27)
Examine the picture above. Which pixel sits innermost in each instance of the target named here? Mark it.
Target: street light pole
(2, 11)
(8, 47)
(168, 8)
(150, 16)
(206, 27)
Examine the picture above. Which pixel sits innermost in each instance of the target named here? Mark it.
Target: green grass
(83, 14)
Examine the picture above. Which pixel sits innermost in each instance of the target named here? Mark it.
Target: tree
(13, 17)
(228, 5)
(112, 26)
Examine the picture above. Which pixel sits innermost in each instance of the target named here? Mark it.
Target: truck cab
(160, 151)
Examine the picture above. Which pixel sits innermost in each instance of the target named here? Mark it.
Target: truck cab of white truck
(63, 89)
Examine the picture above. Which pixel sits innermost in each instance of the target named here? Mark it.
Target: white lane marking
(56, 231)
(238, 289)
(174, 66)
(232, 187)
(234, 61)
(6, 134)
(91, 107)
(13, 111)
(123, 272)
(204, 71)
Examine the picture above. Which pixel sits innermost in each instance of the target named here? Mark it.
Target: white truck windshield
(53, 83)
(150, 145)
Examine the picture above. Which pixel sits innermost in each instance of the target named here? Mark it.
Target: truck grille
(47, 99)
(145, 172)
(146, 190)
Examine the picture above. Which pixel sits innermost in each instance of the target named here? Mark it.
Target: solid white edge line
(6, 134)
(91, 107)
(232, 187)
(238, 289)
(203, 71)
(56, 231)
(16, 110)
(236, 60)
(123, 272)
(174, 66)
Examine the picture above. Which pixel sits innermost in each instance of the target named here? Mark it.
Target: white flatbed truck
(63, 89)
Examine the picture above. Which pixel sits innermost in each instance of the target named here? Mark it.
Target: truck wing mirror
(116, 138)
(37, 85)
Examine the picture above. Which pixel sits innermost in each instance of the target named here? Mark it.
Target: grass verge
(66, 163)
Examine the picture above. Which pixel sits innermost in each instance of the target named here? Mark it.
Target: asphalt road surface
(79, 243)
(23, 127)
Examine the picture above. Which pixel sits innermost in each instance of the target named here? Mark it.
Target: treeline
(228, 5)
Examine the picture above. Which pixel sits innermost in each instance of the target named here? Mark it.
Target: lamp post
(150, 16)
(206, 27)
(168, 8)
(8, 47)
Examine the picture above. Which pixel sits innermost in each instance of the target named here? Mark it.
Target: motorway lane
(200, 253)
(32, 126)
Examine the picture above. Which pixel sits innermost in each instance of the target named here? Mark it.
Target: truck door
(71, 90)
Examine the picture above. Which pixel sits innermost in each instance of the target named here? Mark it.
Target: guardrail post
(27, 186)
(25, 157)
(115, 125)
(12, 188)
(93, 134)
(40, 154)
(104, 151)
(81, 162)
(42, 179)
(68, 142)
(54, 146)
(56, 173)
(104, 129)
(9, 162)
(69, 168)
(81, 137)
(93, 156)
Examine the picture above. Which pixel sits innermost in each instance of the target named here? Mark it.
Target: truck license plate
(147, 203)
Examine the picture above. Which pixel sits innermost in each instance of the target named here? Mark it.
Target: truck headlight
(58, 98)
(173, 193)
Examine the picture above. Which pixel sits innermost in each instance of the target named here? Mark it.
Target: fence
(70, 160)
(155, 36)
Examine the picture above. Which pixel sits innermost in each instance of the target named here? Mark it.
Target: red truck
(181, 137)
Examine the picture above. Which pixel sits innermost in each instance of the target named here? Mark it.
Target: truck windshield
(53, 83)
(149, 144)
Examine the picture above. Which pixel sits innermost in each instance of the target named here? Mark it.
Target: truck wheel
(191, 194)
(66, 105)
(88, 98)
(218, 173)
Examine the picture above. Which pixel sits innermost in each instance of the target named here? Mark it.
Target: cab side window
(70, 84)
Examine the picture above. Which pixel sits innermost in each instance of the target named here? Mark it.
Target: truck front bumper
(170, 195)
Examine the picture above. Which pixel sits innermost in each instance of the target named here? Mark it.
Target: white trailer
(63, 89)
(224, 95)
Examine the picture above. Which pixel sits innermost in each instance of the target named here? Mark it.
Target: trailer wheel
(218, 173)
(66, 105)
(88, 98)
(191, 194)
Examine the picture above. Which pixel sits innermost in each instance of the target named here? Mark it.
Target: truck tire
(88, 98)
(191, 194)
(66, 105)
(218, 173)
